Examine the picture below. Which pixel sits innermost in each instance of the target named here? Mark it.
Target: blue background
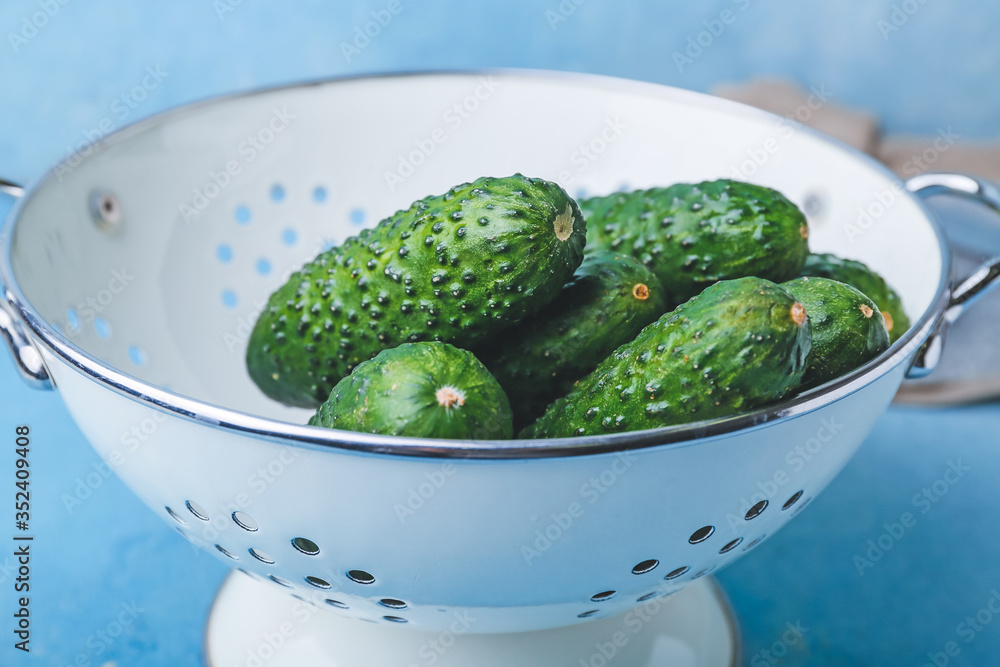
(939, 69)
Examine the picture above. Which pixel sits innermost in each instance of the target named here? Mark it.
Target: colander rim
(314, 437)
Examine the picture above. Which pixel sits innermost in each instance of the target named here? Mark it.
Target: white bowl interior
(220, 202)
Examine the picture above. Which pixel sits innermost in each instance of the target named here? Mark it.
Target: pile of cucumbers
(504, 307)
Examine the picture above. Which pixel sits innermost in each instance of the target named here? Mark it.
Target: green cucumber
(858, 275)
(737, 346)
(421, 390)
(847, 328)
(610, 299)
(455, 268)
(692, 236)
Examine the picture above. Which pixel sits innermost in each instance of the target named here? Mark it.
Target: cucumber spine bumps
(421, 390)
(611, 297)
(859, 276)
(847, 328)
(455, 268)
(693, 235)
(737, 346)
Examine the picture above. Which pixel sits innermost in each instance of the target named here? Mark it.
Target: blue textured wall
(65, 80)
(940, 67)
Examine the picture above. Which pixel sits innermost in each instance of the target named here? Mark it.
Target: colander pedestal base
(253, 624)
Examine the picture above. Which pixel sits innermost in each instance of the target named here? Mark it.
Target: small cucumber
(871, 284)
(737, 346)
(694, 235)
(610, 299)
(847, 328)
(422, 390)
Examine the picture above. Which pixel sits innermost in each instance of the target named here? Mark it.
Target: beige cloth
(906, 155)
(903, 154)
(857, 128)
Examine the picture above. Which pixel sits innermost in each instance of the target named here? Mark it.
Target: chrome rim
(320, 438)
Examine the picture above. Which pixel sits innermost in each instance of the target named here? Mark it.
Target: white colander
(132, 275)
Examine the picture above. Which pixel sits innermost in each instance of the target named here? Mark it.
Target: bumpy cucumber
(453, 268)
(422, 390)
(858, 275)
(847, 328)
(610, 299)
(694, 235)
(737, 346)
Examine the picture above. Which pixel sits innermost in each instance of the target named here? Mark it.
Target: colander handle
(972, 287)
(11, 189)
(27, 359)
